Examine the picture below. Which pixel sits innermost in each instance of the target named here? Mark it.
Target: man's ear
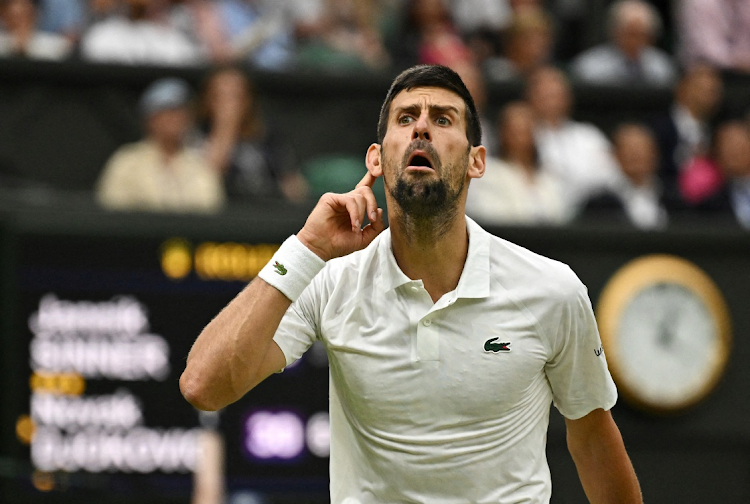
(374, 161)
(477, 165)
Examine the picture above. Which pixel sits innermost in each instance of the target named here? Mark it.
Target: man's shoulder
(344, 270)
(516, 265)
(598, 53)
(111, 26)
(134, 160)
(511, 251)
(591, 62)
(134, 150)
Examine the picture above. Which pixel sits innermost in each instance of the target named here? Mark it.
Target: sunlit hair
(432, 76)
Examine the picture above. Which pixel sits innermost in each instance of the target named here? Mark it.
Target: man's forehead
(427, 96)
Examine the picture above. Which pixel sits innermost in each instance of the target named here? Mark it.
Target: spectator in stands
(64, 17)
(630, 57)
(473, 16)
(714, 32)
(202, 23)
(700, 179)
(683, 133)
(481, 23)
(100, 10)
(253, 162)
(521, 5)
(430, 36)
(161, 173)
(141, 35)
(572, 19)
(261, 33)
(577, 153)
(474, 80)
(346, 36)
(20, 37)
(729, 161)
(732, 155)
(528, 45)
(96, 11)
(636, 199)
(514, 188)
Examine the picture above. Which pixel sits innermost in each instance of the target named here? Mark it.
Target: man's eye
(404, 119)
(443, 121)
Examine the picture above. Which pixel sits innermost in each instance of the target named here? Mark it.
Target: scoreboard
(102, 326)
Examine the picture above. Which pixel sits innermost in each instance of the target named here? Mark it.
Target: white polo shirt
(449, 402)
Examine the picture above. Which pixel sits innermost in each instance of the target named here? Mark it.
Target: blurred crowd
(203, 147)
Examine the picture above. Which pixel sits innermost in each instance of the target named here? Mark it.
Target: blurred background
(155, 153)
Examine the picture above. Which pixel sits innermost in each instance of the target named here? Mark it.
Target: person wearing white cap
(161, 172)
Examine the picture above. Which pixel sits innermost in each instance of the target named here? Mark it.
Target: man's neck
(433, 253)
(553, 123)
(689, 110)
(168, 149)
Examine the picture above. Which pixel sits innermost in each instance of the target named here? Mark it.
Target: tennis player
(447, 345)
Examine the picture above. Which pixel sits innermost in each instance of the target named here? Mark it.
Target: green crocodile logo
(280, 269)
(491, 346)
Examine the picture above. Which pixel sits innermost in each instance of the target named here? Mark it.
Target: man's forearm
(609, 478)
(229, 356)
(603, 465)
(236, 351)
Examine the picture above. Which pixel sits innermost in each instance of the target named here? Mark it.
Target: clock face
(665, 330)
(667, 343)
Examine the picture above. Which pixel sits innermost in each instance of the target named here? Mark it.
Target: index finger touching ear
(368, 180)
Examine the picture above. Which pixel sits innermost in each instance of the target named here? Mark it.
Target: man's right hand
(334, 227)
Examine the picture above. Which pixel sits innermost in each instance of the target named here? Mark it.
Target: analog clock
(666, 332)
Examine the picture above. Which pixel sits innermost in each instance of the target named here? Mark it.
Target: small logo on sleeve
(491, 345)
(280, 269)
(599, 351)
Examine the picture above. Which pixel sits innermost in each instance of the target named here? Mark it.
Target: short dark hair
(432, 76)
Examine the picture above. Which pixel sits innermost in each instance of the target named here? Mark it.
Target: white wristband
(292, 268)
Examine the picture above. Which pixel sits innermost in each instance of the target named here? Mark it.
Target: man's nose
(422, 128)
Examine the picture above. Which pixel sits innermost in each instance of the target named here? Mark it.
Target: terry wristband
(292, 268)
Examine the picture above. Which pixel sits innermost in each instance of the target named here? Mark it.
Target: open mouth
(420, 160)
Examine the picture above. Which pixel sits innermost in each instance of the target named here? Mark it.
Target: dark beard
(423, 199)
(427, 204)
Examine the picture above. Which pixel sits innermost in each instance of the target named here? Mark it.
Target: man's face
(704, 91)
(17, 14)
(516, 132)
(633, 36)
(637, 154)
(733, 150)
(549, 96)
(169, 126)
(425, 151)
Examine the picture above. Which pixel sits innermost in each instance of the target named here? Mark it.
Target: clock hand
(666, 335)
(667, 327)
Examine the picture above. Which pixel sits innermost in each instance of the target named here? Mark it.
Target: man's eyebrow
(434, 109)
(444, 108)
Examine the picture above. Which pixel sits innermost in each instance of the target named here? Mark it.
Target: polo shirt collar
(475, 277)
